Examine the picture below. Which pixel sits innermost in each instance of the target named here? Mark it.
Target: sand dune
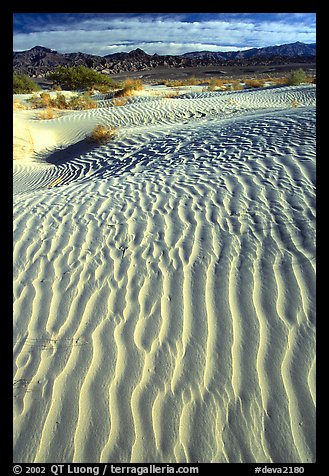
(164, 283)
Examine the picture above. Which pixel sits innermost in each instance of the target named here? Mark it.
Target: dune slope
(164, 283)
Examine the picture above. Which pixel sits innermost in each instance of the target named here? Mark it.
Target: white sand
(164, 283)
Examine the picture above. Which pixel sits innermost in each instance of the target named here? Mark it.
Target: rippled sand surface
(164, 283)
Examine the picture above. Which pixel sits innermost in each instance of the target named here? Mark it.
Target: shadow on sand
(66, 154)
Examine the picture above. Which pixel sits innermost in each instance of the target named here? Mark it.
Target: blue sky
(162, 33)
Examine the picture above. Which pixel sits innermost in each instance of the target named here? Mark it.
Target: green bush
(297, 77)
(23, 84)
(80, 77)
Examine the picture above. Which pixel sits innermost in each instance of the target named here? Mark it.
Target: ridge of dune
(164, 283)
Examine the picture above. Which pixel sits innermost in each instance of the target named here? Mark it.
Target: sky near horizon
(162, 33)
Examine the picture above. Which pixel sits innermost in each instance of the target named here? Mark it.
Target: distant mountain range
(38, 61)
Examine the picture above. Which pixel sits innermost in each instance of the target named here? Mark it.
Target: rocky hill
(38, 61)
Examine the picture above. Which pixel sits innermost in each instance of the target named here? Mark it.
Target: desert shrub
(192, 81)
(61, 102)
(295, 103)
(172, 94)
(56, 87)
(129, 86)
(296, 77)
(79, 77)
(281, 81)
(310, 79)
(45, 100)
(23, 84)
(19, 105)
(215, 83)
(135, 84)
(174, 83)
(48, 113)
(234, 85)
(35, 101)
(255, 83)
(101, 134)
(119, 101)
(81, 102)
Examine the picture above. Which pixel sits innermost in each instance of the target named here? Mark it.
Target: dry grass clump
(216, 83)
(234, 85)
(282, 81)
(295, 103)
(81, 102)
(61, 102)
(48, 113)
(310, 80)
(56, 87)
(255, 83)
(19, 105)
(101, 134)
(43, 100)
(172, 94)
(129, 87)
(174, 83)
(120, 101)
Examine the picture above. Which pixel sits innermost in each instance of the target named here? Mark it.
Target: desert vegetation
(22, 84)
(216, 83)
(119, 101)
(60, 101)
(255, 83)
(128, 88)
(192, 81)
(18, 105)
(296, 77)
(48, 113)
(101, 134)
(81, 78)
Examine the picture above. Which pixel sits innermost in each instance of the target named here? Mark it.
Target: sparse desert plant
(119, 101)
(172, 94)
(296, 77)
(234, 85)
(129, 86)
(23, 84)
(101, 134)
(56, 87)
(173, 83)
(192, 81)
(81, 102)
(295, 103)
(135, 84)
(60, 102)
(279, 81)
(19, 105)
(45, 100)
(310, 79)
(35, 101)
(216, 83)
(48, 113)
(255, 83)
(231, 101)
(78, 102)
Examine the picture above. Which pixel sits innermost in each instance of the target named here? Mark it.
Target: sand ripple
(164, 284)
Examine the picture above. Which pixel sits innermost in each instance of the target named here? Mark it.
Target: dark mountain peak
(137, 53)
(41, 49)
